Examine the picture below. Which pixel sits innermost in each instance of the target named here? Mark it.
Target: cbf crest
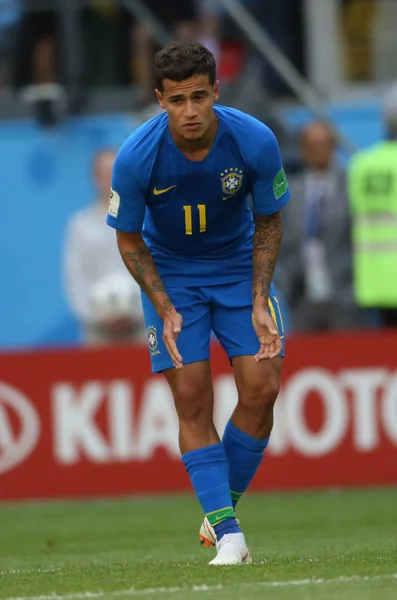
(152, 339)
(232, 180)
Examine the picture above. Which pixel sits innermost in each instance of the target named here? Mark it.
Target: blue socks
(244, 455)
(221, 473)
(208, 469)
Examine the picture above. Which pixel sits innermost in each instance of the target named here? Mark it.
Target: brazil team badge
(152, 339)
(232, 180)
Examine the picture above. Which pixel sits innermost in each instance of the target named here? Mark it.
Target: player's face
(189, 105)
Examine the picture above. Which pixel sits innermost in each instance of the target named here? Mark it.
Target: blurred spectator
(281, 20)
(373, 198)
(314, 272)
(10, 14)
(180, 18)
(37, 46)
(358, 20)
(104, 43)
(107, 30)
(102, 294)
(37, 65)
(210, 26)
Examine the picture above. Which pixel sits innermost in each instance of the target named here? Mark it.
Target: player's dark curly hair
(181, 61)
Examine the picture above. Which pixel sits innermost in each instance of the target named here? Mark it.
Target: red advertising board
(77, 423)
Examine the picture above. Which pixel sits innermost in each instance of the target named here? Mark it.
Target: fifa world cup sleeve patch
(114, 203)
(280, 185)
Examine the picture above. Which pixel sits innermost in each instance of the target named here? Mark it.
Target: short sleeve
(269, 188)
(127, 202)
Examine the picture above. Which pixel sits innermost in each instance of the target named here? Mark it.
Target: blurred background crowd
(76, 79)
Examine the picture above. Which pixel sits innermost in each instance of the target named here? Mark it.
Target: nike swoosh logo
(245, 557)
(218, 517)
(157, 192)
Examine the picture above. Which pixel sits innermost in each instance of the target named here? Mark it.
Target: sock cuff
(210, 454)
(217, 516)
(243, 439)
(236, 496)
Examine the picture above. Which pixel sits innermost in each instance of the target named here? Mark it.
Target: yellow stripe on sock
(219, 510)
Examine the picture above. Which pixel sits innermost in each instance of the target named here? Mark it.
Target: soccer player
(186, 234)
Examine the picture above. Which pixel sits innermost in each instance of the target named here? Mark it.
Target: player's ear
(216, 91)
(160, 98)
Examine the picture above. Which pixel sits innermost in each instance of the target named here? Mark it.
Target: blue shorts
(225, 309)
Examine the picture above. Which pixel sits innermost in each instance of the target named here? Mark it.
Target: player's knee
(259, 398)
(194, 405)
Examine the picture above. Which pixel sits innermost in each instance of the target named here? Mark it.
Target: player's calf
(258, 389)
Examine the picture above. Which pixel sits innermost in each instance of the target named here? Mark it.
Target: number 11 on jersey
(189, 219)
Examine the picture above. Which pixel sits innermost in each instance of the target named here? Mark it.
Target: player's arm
(126, 214)
(269, 193)
(139, 261)
(267, 243)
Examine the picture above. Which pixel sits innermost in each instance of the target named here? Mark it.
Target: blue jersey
(194, 215)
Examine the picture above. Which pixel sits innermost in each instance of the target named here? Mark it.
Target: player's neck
(197, 150)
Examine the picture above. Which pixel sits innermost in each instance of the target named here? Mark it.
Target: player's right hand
(172, 328)
(268, 335)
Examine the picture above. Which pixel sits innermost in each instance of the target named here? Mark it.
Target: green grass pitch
(307, 546)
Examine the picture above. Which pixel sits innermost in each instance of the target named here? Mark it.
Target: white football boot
(207, 533)
(232, 550)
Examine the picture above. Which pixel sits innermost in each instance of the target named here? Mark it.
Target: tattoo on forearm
(167, 305)
(138, 261)
(267, 242)
(144, 270)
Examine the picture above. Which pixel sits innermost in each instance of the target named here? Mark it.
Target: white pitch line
(30, 571)
(206, 588)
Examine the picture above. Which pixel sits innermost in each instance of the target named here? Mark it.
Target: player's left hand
(268, 335)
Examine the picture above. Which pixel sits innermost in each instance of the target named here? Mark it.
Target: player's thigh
(192, 389)
(194, 340)
(232, 318)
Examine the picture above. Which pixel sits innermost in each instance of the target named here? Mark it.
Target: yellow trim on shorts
(272, 311)
(280, 314)
(279, 321)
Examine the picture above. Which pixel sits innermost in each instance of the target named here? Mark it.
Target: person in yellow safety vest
(372, 184)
